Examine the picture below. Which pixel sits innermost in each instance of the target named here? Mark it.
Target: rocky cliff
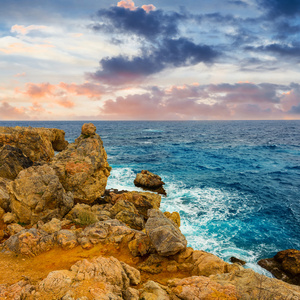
(105, 244)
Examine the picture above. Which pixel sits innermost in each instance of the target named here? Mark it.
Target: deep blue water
(236, 184)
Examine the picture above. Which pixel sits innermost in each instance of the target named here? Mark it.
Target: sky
(157, 60)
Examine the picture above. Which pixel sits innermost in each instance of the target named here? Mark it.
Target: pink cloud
(9, 112)
(86, 89)
(38, 90)
(21, 29)
(36, 108)
(65, 103)
(20, 74)
(129, 4)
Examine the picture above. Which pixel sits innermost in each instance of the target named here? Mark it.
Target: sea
(236, 184)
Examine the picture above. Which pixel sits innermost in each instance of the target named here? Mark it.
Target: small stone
(9, 218)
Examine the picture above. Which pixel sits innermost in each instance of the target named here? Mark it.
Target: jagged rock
(154, 264)
(30, 242)
(237, 261)
(285, 265)
(141, 246)
(35, 143)
(88, 129)
(17, 291)
(9, 218)
(67, 239)
(153, 291)
(131, 294)
(141, 200)
(164, 234)
(251, 285)
(199, 287)
(174, 216)
(82, 214)
(53, 226)
(4, 194)
(83, 169)
(14, 228)
(126, 212)
(149, 181)
(12, 161)
(36, 194)
(206, 264)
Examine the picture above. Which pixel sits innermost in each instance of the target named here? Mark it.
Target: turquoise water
(236, 184)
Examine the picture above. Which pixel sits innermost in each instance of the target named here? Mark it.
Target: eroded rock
(36, 194)
(4, 194)
(149, 181)
(83, 169)
(35, 143)
(164, 234)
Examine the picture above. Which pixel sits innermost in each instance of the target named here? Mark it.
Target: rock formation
(35, 143)
(12, 161)
(285, 265)
(149, 181)
(4, 195)
(82, 168)
(36, 194)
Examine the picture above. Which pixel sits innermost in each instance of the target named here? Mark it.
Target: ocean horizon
(236, 184)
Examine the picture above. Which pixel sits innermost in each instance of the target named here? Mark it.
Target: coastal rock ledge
(63, 236)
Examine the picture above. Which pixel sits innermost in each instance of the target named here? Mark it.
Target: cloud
(65, 103)
(129, 4)
(21, 29)
(148, 7)
(145, 22)
(9, 112)
(20, 74)
(90, 90)
(169, 54)
(278, 49)
(277, 8)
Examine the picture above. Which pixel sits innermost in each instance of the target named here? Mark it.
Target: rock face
(82, 168)
(149, 181)
(285, 265)
(35, 143)
(36, 194)
(164, 234)
(12, 161)
(4, 195)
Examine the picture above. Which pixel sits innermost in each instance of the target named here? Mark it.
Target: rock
(153, 291)
(133, 274)
(150, 181)
(82, 214)
(83, 169)
(285, 265)
(141, 246)
(14, 229)
(164, 234)
(174, 216)
(206, 264)
(237, 261)
(30, 242)
(9, 218)
(4, 195)
(154, 264)
(36, 194)
(66, 239)
(12, 161)
(53, 226)
(17, 291)
(141, 200)
(88, 129)
(251, 285)
(126, 212)
(199, 287)
(36, 143)
(131, 294)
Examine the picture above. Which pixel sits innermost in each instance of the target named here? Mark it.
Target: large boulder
(285, 265)
(82, 168)
(35, 143)
(12, 161)
(164, 234)
(149, 181)
(36, 194)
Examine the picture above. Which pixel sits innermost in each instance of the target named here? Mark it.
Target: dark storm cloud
(281, 50)
(170, 53)
(238, 3)
(295, 110)
(277, 8)
(285, 30)
(150, 25)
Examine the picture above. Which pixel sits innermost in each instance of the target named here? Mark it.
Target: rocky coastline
(64, 236)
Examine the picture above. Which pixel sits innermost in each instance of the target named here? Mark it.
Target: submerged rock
(82, 168)
(36, 194)
(12, 161)
(150, 181)
(164, 234)
(35, 143)
(285, 265)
